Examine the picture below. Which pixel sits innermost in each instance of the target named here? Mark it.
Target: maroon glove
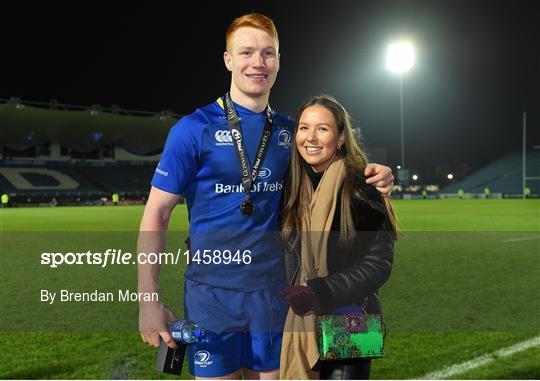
(302, 299)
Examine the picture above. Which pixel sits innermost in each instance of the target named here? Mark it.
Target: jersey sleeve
(178, 163)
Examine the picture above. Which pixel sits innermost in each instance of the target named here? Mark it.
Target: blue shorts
(243, 329)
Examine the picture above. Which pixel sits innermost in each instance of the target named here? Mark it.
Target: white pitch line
(521, 239)
(482, 360)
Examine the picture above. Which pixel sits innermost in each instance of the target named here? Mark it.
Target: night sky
(478, 65)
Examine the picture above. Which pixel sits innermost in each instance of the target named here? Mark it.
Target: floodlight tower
(399, 60)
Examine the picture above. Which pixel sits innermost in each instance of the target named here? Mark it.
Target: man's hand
(381, 177)
(153, 323)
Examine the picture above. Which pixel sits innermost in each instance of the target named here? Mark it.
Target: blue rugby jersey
(200, 163)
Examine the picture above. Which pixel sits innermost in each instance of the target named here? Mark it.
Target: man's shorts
(243, 329)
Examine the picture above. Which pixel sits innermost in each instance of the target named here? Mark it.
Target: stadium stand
(76, 154)
(121, 178)
(138, 132)
(503, 176)
(76, 179)
(33, 180)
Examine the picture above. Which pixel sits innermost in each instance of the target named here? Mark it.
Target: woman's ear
(341, 139)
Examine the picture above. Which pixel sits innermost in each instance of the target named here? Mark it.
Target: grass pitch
(464, 283)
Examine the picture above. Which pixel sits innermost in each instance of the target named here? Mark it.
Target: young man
(228, 160)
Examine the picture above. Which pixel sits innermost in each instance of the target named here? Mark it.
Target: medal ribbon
(248, 175)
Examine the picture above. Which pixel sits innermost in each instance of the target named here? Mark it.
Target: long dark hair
(355, 160)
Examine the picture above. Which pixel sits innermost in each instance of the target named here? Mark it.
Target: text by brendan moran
(63, 296)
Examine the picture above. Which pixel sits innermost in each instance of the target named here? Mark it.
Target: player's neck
(255, 104)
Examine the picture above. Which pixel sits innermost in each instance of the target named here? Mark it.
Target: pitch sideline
(521, 239)
(482, 360)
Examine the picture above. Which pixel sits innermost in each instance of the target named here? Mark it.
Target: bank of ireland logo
(264, 173)
(284, 139)
(202, 359)
(223, 138)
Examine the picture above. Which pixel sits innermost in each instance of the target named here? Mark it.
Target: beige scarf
(299, 352)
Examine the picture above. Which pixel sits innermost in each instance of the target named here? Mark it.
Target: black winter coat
(355, 273)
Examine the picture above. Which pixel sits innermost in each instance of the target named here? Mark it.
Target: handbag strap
(364, 303)
(383, 323)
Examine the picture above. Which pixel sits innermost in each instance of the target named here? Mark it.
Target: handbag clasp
(354, 322)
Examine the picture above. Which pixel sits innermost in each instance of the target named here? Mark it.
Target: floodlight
(400, 57)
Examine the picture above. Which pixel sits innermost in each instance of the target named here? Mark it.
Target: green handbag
(350, 335)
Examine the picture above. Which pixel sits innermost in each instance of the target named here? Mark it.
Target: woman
(340, 237)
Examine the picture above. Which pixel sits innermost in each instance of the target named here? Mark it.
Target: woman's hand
(302, 299)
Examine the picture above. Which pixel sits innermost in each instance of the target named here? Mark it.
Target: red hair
(253, 20)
